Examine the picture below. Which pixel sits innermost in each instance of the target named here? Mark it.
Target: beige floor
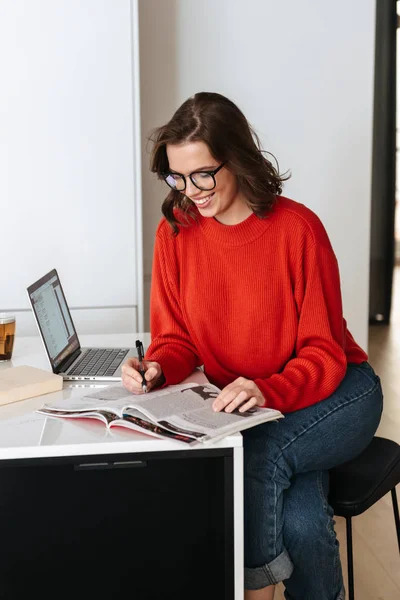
(376, 554)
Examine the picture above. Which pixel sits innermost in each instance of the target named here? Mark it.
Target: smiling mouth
(202, 201)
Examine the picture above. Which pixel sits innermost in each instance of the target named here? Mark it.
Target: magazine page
(188, 411)
(106, 404)
(182, 412)
(174, 400)
(113, 399)
(217, 425)
(133, 419)
(101, 415)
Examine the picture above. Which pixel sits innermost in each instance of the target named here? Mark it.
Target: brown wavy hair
(217, 121)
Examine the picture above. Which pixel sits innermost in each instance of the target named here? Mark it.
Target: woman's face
(225, 202)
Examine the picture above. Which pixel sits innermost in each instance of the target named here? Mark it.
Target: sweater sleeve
(171, 345)
(319, 362)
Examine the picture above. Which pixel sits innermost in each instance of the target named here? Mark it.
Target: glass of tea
(7, 333)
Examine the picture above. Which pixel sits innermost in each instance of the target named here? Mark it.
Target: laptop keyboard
(99, 361)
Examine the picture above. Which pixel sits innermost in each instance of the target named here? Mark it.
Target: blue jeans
(289, 531)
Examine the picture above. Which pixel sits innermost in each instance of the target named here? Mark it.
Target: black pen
(139, 348)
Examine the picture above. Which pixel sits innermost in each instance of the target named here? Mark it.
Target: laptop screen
(53, 318)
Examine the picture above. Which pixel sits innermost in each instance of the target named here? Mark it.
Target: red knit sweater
(260, 299)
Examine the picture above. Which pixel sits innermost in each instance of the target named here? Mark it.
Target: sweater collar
(234, 235)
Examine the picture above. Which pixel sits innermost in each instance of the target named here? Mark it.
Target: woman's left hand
(242, 393)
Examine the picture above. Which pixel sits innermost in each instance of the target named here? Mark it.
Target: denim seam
(356, 399)
(371, 376)
(321, 491)
(275, 503)
(270, 575)
(271, 572)
(331, 533)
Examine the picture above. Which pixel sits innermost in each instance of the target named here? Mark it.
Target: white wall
(302, 72)
(397, 208)
(70, 190)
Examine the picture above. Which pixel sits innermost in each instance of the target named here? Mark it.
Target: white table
(36, 441)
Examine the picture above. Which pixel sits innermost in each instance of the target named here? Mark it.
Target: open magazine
(180, 412)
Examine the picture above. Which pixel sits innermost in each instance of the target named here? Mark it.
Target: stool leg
(396, 515)
(349, 537)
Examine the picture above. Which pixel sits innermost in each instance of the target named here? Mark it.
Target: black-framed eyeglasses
(203, 180)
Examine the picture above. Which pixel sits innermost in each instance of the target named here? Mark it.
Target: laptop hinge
(65, 365)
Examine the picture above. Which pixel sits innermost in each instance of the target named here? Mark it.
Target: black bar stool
(356, 485)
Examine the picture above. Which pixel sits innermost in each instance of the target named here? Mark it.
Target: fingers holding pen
(153, 375)
(132, 378)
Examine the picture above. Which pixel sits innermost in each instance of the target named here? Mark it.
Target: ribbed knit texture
(260, 299)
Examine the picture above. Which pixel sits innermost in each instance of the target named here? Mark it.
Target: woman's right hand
(132, 379)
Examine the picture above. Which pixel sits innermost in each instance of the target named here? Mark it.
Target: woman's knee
(263, 456)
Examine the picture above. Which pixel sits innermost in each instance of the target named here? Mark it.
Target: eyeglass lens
(203, 181)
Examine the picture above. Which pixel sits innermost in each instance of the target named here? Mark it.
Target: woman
(246, 283)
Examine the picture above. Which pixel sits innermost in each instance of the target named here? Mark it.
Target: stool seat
(359, 483)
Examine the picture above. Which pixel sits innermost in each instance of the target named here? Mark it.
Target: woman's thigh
(325, 434)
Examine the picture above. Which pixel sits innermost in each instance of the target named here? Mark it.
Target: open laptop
(61, 341)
